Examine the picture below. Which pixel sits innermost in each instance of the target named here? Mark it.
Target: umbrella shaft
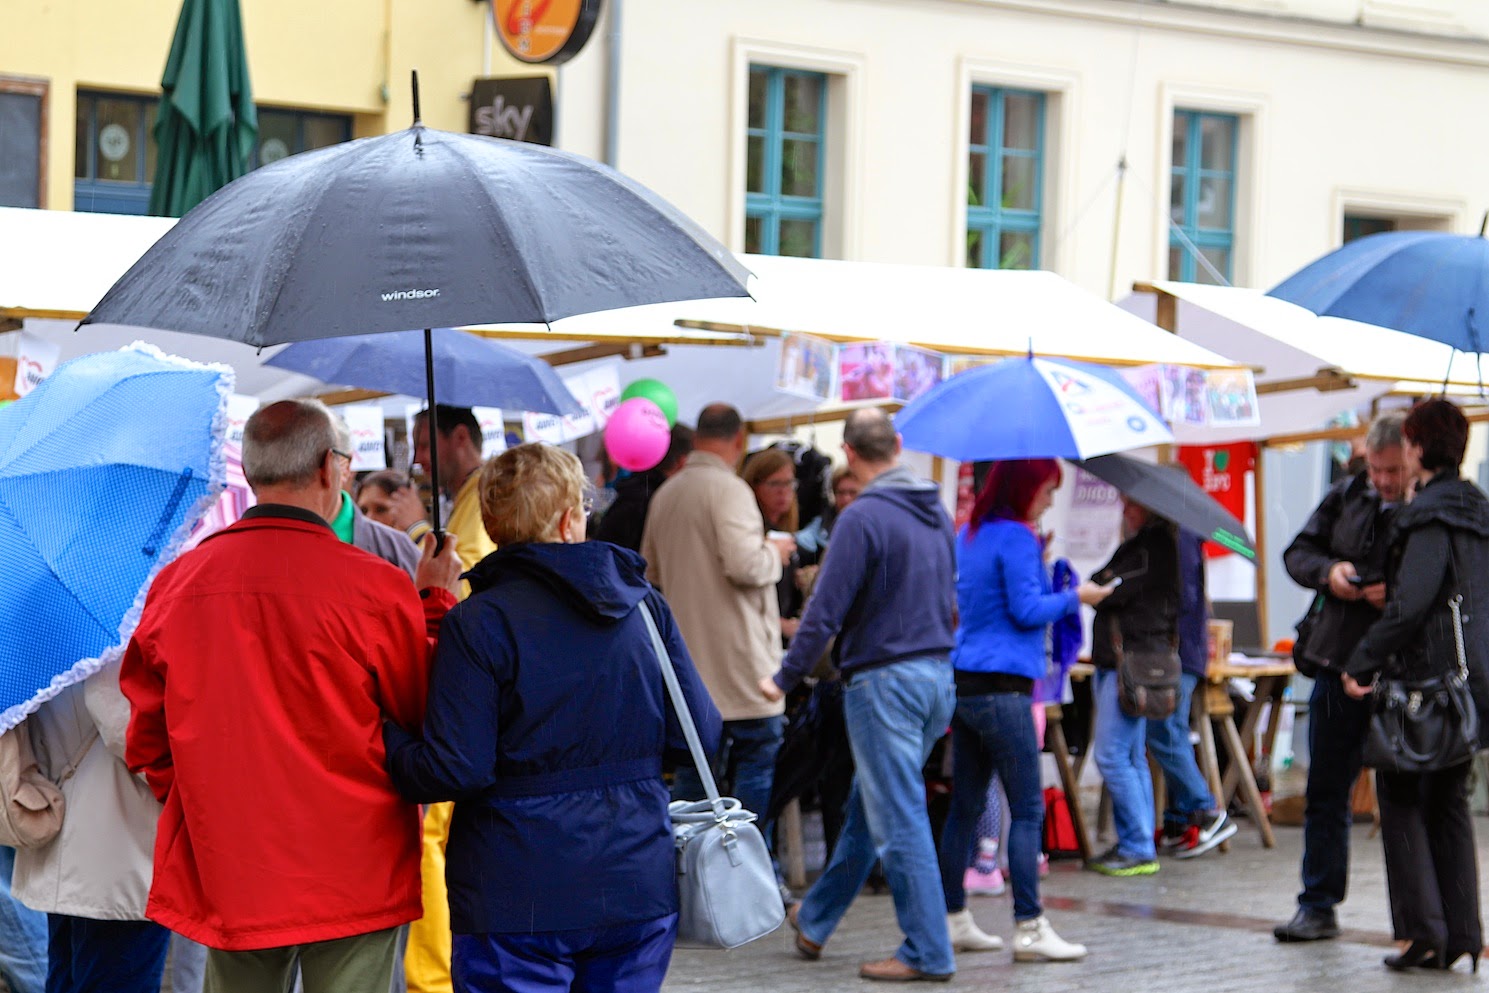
(433, 467)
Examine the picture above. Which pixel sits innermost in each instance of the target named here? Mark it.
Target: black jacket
(1439, 545)
(1143, 611)
(625, 519)
(1349, 526)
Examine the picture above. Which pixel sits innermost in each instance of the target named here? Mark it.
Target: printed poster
(958, 364)
(915, 371)
(1230, 398)
(866, 371)
(1093, 524)
(493, 430)
(1183, 396)
(806, 366)
(598, 391)
(1147, 380)
(36, 358)
(1220, 470)
(364, 421)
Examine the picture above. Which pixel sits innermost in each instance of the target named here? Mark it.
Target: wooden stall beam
(782, 425)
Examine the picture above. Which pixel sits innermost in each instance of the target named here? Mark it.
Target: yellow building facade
(321, 70)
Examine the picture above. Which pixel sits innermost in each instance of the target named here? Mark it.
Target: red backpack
(1059, 829)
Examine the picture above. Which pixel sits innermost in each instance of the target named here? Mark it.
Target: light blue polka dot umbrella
(104, 469)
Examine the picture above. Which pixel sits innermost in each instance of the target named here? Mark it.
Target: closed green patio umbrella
(207, 125)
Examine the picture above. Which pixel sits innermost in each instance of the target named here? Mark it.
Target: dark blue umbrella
(1030, 408)
(468, 371)
(1425, 283)
(104, 469)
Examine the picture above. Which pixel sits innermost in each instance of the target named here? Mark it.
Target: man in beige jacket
(706, 549)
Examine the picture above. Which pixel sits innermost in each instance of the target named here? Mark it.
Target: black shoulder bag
(1429, 724)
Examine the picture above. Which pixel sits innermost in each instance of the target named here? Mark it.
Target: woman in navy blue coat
(547, 723)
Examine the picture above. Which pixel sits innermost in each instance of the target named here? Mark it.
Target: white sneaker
(966, 936)
(1036, 941)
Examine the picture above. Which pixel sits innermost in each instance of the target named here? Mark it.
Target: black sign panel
(520, 108)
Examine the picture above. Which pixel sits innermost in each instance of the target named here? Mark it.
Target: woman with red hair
(1006, 604)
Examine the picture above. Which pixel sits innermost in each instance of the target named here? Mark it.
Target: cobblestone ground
(1198, 925)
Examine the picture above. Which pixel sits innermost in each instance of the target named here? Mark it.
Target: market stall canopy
(1314, 367)
(955, 311)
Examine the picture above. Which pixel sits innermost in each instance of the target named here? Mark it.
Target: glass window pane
(278, 136)
(799, 168)
(323, 130)
(20, 149)
(1020, 183)
(979, 117)
(81, 162)
(799, 239)
(974, 249)
(754, 234)
(759, 85)
(1181, 140)
(755, 165)
(977, 180)
(1217, 139)
(1016, 250)
(1175, 262)
(151, 112)
(118, 141)
(1178, 188)
(1220, 259)
(1213, 211)
(1021, 121)
(803, 106)
(1360, 227)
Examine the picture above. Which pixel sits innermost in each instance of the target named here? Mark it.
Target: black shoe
(1308, 924)
(1418, 955)
(1454, 953)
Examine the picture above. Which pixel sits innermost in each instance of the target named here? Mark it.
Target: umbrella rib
(506, 229)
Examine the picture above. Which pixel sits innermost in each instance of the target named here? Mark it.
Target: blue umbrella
(104, 469)
(1425, 283)
(1030, 408)
(468, 371)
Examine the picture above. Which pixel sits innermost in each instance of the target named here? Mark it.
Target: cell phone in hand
(1355, 580)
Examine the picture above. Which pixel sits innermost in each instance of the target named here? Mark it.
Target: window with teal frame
(1005, 178)
(1202, 198)
(784, 161)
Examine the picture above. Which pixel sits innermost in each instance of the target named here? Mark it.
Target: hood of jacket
(903, 488)
(598, 579)
(1449, 500)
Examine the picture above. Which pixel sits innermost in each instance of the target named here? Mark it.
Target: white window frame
(1411, 211)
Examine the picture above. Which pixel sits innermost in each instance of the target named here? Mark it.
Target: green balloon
(658, 393)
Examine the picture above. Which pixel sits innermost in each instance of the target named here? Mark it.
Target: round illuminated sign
(273, 150)
(544, 31)
(113, 142)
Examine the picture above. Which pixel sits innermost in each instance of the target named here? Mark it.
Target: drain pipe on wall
(612, 86)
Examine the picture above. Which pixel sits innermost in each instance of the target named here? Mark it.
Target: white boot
(966, 936)
(1036, 941)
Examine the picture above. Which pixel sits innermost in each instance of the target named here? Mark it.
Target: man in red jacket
(259, 678)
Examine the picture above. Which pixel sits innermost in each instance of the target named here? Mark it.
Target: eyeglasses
(587, 504)
(345, 455)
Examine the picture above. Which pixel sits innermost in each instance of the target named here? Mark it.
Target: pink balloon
(637, 434)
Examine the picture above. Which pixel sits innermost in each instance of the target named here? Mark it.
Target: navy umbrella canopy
(1168, 491)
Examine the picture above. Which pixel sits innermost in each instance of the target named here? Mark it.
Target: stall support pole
(1260, 497)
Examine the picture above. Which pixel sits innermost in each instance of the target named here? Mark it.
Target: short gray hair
(1385, 431)
(871, 434)
(286, 442)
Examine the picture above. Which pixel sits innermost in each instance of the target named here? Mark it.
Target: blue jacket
(887, 589)
(1006, 601)
(547, 722)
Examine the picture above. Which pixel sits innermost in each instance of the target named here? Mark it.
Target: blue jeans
(1336, 737)
(745, 766)
(88, 956)
(895, 714)
(1168, 740)
(1123, 762)
(23, 936)
(991, 733)
(627, 958)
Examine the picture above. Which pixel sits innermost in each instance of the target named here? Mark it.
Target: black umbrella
(1169, 492)
(419, 229)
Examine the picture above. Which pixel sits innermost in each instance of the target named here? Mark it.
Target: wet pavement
(1204, 924)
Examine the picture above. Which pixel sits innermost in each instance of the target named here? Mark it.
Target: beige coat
(705, 549)
(101, 863)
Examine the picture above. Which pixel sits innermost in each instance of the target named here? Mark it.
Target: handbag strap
(1455, 605)
(684, 715)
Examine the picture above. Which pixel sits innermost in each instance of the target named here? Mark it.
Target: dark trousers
(627, 958)
(1336, 736)
(88, 956)
(1432, 871)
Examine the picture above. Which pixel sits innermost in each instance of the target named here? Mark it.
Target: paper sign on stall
(35, 359)
(598, 391)
(364, 421)
(493, 430)
(1230, 398)
(915, 371)
(806, 367)
(866, 371)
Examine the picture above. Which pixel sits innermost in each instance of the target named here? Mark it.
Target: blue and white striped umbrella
(104, 469)
(1030, 408)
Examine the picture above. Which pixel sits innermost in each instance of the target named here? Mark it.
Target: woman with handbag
(1138, 621)
(1428, 663)
(547, 723)
(1006, 605)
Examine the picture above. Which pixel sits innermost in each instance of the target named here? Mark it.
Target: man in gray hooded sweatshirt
(887, 591)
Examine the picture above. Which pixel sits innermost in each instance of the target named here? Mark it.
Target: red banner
(1221, 470)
